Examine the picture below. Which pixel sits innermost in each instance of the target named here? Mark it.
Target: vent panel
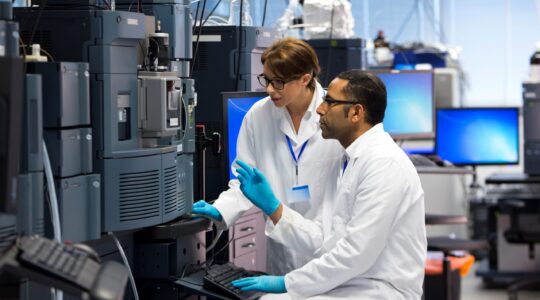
(139, 195)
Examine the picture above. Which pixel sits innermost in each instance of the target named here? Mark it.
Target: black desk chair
(447, 245)
(518, 234)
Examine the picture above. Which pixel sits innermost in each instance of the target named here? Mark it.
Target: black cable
(264, 13)
(131, 4)
(239, 47)
(196, 16)
(37, 22)
(431, 16)
(198, 39)
(107, 4)
(405, 21)
(214, 254)
(211, 12)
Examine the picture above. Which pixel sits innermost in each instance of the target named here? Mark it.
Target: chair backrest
(518, 234)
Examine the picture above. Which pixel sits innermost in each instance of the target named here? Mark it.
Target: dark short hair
(290, 57)
(368, 90)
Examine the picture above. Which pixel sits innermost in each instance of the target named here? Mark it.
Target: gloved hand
(267, 284)
(202, 208)
(256, 188)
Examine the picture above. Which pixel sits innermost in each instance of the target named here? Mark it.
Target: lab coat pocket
(344, 202)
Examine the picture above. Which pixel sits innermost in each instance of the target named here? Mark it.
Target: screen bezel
(487, 163)
(413, 135)
(225, 164)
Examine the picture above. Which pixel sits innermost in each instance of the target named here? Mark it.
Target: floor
(472, 289)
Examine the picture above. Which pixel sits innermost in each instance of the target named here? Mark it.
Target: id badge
(298, 194)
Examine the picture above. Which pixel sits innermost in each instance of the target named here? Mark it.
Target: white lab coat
(372, 243)
(262, 143)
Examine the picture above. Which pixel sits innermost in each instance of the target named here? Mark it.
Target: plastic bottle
(235, 13)
(534, 70)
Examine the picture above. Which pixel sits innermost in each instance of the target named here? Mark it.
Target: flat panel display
(478, 136)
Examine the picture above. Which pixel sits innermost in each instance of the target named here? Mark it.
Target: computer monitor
(235, 107)
(410, 106)
(478, 136)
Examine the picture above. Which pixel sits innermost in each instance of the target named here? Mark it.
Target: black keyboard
(38, 258)
(219, 277)
(59, 260)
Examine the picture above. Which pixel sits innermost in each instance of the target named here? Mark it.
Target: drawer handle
(248, 229)
(248, 245)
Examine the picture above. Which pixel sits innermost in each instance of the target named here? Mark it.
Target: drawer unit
(247, 261)
(245, 228)
(245, 245)
(249, 240)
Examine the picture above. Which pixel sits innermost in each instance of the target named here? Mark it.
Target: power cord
(195, 54)
(237, 88)
(124, 258)
(264, 13)
(211, 12)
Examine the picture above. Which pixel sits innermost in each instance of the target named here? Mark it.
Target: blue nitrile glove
(267, 284)
(202, 208)
(256, 188)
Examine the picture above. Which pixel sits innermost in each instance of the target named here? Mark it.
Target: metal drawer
(245, 245)
(245, 228)
(248, 261)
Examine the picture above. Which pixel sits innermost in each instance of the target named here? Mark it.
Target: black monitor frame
(515, 108)
(11, 105)
(225, 138)
(412, 135)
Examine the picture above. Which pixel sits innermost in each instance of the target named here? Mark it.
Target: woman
(280, 135)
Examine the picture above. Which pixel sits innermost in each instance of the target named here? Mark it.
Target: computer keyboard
(219, 278)
(65, 266)
(60, 260)
(422, 161)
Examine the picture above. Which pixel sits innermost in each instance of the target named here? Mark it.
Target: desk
(444, 170)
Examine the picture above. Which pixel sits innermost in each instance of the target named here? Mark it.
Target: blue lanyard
(292, 151)
(294, 156)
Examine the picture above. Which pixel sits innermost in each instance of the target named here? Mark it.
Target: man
(371, 244)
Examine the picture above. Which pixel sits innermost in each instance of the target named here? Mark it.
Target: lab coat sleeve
(296, 232)
(377, 197)
(232, 203)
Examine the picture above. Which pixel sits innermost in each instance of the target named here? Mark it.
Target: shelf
(444, 170)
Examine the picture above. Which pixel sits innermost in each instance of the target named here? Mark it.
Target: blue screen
(236, 110)
(409, 110)
(481, 136)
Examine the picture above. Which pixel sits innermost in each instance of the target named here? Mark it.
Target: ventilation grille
(170, 189)
(39, 226)
(139, 195)
(201, 62)
(181, 203)
(7, 236)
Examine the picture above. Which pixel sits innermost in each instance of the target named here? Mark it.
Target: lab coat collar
(310, 122)
(355, 149)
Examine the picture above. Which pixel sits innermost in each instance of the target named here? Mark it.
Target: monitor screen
(410, 109)
(236, 105)
(478, 136)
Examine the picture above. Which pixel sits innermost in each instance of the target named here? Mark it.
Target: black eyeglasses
(278, 84)
(331, 101)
